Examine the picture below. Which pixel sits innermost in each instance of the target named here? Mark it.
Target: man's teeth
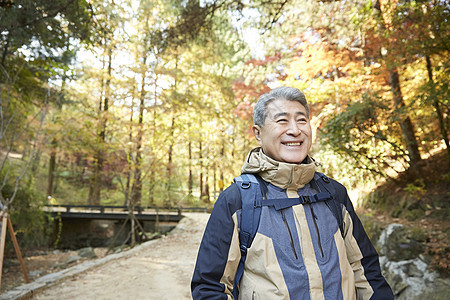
(293, 144)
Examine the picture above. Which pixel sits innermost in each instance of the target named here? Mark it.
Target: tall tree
(394, 81)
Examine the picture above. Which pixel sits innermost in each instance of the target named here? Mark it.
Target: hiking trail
(159, 269)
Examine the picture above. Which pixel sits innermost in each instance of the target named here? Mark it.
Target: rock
(72, 258)
(440, 290)
(87, 252)
(408, 279)
(69, 260)
(406, 268)
(35, 273)
(398, 243)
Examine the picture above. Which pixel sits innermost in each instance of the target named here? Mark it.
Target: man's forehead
(285, 108)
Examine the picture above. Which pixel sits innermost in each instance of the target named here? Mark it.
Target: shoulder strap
(324, 183)
(253, 190)
(251, 197)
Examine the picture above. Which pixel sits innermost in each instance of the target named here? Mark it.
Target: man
(298, 252)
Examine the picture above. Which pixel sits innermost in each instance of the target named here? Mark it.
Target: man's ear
(257, 132)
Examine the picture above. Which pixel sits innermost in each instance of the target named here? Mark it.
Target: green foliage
(23, 23)
(27, 216)
(34, 44)
(416, 189)
(339, 167)
(365, 133)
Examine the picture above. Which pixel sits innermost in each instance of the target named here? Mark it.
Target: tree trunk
(206, 191)
(153, 159)
(127, 191)
(190, 180)
(200, 157)
(222, 155)
(437, 107)
(406, 124)
(169, 166)
(137, 191)
(214, 178)
(51, 167)
(171, 135)
(96, 182)
(151, 185)
(36, 161)
(132, 233)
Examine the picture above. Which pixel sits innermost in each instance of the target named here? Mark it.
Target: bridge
(114, 212)
(77, 226)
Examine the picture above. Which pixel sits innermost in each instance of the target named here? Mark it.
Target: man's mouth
(293, 143)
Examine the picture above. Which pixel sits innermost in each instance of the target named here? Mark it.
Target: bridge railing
(138, 209)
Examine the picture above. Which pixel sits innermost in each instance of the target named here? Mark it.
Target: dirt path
(161, 269)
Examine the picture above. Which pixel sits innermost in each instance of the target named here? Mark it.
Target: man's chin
(294, 160)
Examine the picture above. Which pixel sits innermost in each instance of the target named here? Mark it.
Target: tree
(109, 19)
(35, 52)
(394, 81)
(422, 43)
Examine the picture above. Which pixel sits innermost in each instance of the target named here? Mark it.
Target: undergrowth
(421, 203)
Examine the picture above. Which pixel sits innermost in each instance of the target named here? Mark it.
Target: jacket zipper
(317, 229)
(290, 234)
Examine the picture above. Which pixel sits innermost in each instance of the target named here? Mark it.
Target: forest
(127, 102)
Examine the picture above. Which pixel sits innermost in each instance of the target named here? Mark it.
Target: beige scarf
(283, 175)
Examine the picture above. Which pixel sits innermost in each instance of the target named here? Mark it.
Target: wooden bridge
(112, 212)
(78, 226)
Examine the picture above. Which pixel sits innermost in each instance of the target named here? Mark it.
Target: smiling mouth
(293, 144)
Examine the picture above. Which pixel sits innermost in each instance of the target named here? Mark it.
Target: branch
(276, 16)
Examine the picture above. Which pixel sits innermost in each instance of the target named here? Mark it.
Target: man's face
(286, 135)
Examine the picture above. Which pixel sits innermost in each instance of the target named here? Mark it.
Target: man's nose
(293, 129)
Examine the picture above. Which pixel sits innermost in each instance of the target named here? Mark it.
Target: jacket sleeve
(362, 255)
(218, 255)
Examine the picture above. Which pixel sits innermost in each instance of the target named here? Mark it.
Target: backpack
(253, 190)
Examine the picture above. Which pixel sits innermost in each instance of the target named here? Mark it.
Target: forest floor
(38, 263)
(161, 270)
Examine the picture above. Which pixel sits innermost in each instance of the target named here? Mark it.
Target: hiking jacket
(297, 253)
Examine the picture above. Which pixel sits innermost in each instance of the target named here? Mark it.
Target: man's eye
(281, 120)
(301, 121)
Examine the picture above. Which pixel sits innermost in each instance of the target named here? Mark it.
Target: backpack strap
(253, 190)
(282, 203)
(334, 204)
(251, 197)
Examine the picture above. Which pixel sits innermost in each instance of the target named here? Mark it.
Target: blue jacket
(297, 253)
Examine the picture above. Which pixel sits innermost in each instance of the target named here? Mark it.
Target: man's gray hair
(284, 93)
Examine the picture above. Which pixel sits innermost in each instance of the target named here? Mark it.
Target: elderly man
(300, 250)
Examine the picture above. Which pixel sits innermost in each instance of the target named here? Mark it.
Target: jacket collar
(283, 175)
